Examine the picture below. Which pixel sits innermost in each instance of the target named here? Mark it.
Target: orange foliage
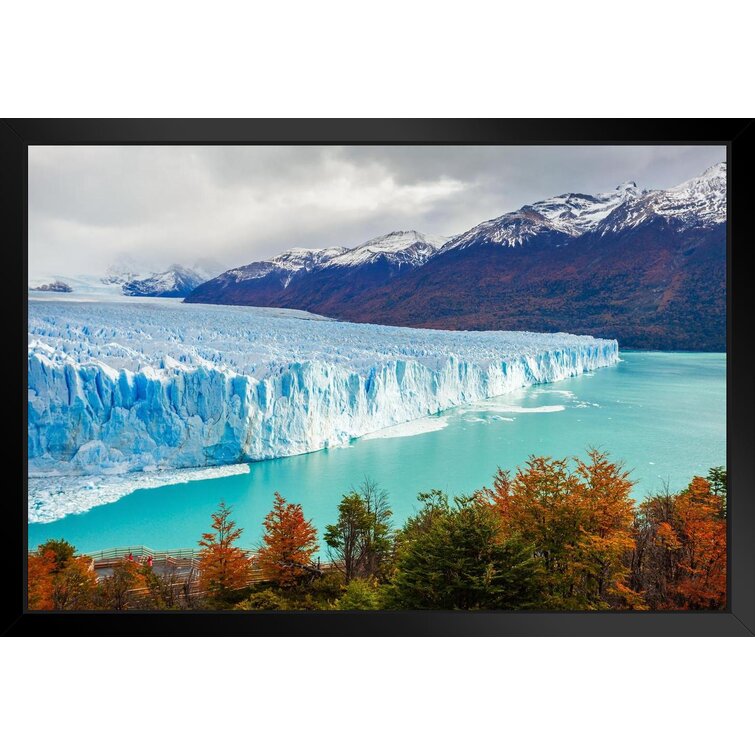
(223, 567)
(73, 586)
(290, 541)
(680, 559)
(40, 578)
(578, 523)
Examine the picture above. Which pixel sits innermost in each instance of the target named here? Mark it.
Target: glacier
(53, 497)
(145, 385)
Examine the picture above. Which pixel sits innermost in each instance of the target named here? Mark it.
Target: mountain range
(647, 267)
(177, 281)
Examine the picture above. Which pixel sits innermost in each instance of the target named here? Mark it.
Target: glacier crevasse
(115, 388)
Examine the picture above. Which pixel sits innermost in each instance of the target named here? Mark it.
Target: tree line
(557, 534)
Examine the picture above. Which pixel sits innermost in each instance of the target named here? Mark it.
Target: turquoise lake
(662, 413)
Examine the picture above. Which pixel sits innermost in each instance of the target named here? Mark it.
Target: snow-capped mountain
(651, 273)
(656, 262)
(699, 202)
(313, 275)
(397, 248)
(176, 281)
(563, 217)
(285, 266)
(644, 266)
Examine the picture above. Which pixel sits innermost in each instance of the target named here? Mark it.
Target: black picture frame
(16, 135)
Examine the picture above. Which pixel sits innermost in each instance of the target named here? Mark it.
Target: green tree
(345, 538)
(361, 541)
(434, 505)
(360, 595)
(454, 557)
(61, 550)
(378, 535)
(263, 600)
(719, 485)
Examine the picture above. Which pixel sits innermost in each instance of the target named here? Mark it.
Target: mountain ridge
(646, 264)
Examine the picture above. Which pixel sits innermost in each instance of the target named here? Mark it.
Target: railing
(143, 552)
(184, 557)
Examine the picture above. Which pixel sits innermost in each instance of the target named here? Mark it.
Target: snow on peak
(511, 229)
(402, 247)
(574, 214)
(296, 260)
(710, 182)
(569, 214)
(299, 257)
(700, 201)
(176, 280)
(717, 170)
(628, 187)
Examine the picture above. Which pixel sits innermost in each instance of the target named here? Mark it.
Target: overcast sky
(90, 207)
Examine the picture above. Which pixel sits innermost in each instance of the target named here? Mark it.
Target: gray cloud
(91, 206)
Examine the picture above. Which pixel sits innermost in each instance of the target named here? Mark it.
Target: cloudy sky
(91, 207)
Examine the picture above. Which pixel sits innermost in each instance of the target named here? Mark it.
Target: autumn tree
(290, 542)
(224, 567)
(116, 591)
(59, 579)
(61, 551)
(679, 560)
(578, 524)
(604, 497)
(40, 572)
(74, 586)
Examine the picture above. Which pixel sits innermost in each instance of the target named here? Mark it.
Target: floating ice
(52, 498)
(406, 429)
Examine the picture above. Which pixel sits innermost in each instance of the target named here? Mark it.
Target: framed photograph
(464, 377)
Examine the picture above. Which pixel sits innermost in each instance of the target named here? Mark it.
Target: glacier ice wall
(124, 387)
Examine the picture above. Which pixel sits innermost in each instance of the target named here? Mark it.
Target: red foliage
(680, 555)
(290, 541)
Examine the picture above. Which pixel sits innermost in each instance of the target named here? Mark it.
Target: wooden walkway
(180, 561)
(182, 564)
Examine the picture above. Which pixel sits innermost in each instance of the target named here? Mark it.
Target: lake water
(663, 414)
